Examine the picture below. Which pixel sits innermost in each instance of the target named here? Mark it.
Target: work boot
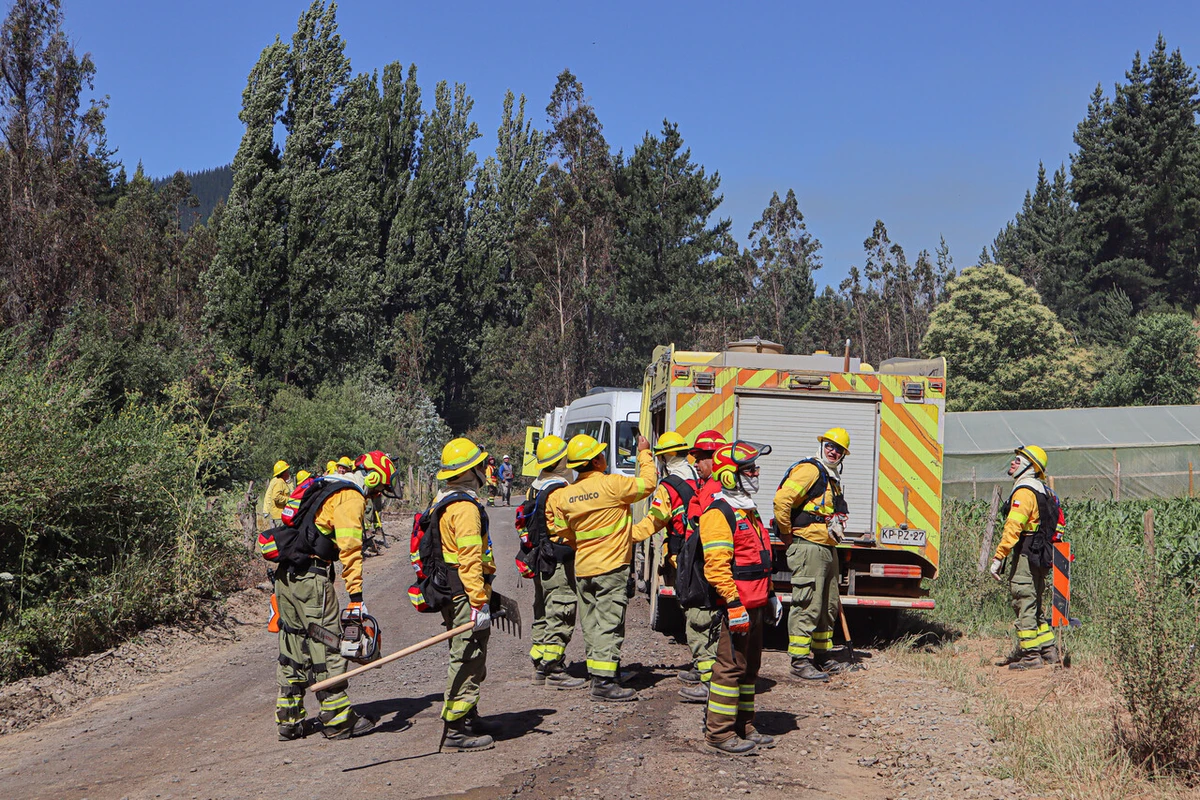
(1050, 655)
(475, 725)
(1030, 659)
(539, 674)
(353, 726)
(691, 676)
(830, 665)
(733, 746)
(803, 668)
(608, 689)
(457, 737)
(1013, 657)
(764, 740)
(694, 694)
(296, 730)
(559, 678)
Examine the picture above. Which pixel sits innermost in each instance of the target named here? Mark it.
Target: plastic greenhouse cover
(980, 432)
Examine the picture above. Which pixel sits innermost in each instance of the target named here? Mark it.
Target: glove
(482, 617)
(739, 618)
(996, 563)
(776, 610)
(837, 527)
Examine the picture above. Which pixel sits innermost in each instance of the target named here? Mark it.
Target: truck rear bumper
(862, 601)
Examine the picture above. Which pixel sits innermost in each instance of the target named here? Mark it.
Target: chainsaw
(359, 638)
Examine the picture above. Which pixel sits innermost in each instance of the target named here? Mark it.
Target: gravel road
(190, 715)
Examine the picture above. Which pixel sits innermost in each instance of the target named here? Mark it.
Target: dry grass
(1058, 727)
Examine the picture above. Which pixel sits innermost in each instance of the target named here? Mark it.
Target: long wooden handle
(399, 654)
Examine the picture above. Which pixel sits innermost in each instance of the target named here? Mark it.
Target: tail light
(895, 571)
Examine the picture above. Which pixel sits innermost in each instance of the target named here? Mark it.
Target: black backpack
(692, 589)
(686, 492)
(1038, 546)
(540, 554)
(800, 517)
(297, 544)
(436, 584)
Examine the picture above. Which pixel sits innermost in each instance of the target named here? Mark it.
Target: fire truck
(892, 478)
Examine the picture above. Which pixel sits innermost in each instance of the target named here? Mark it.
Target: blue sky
(929, 116)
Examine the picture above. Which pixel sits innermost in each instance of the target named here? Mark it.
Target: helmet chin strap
(1025, 467)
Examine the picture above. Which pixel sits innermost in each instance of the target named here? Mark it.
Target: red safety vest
(751, 555)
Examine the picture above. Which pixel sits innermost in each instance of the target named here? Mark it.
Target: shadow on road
(776, 723)
(515, 724)
(403, 708)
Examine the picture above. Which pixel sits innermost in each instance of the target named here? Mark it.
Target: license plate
(906, 537)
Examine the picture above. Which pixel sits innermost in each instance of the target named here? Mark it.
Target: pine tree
(785, 255)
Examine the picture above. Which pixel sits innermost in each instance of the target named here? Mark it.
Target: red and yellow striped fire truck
(892, 480)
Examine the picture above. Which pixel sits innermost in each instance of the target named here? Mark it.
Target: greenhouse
(1119, 453)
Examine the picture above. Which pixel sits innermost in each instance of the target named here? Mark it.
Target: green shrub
(104, 523)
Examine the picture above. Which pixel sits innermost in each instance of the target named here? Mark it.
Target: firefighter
(305, 593)
(554, 599)
(594, 517)
(492, 479)
(737, 565)
(467, 551)
(1028, 508)
(669, 508)
(331, 468)
(810, 515)
(276, 496)
(702, 623)
(344, 465)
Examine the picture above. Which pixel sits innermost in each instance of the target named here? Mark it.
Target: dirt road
(197, 722)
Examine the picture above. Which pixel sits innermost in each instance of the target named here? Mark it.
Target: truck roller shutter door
(791, 425)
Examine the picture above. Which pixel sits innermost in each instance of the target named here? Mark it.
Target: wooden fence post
(1191, 492)
(985, 546)
(1148, 533)
(974, 487)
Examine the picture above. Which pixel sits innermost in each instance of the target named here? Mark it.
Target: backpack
(1038, 547)
(692, 589)
(685, 491)
(436, 583)
(539, 555)
(296, 542)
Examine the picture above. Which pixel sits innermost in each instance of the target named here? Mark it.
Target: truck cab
(610, 416)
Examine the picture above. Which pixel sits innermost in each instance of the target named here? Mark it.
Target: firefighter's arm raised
(463, 523)
(717, 541)
(630, 490)
(656, 518)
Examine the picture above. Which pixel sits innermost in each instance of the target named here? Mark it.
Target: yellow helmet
(458, 456)
(345, 461)
(281, 467)
(1034, 455)
(582, 449)
(550, 450)
(670, 442)
(838, 436)
(330, 467)
(302, 476)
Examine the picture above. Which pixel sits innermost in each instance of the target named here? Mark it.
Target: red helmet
(709, 441)
(731, 458)
(380, 470)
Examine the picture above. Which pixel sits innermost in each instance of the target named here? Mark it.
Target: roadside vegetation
(1128, 707)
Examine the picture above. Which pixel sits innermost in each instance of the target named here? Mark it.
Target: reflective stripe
(705, 668)
(821, 635)
(723, 691)
(605, 669)
(456, 710)
(289, 701)
(724, 709)
(746, 688)
(335, 703)
(1028, 640)
(553, 652)
(348, 533)
(536, 652)
(641, 484)
(722, 544)
(821, 646)
(469, 541)
(1026, 634)
(600, 533)
(746, 705)
(1043, 638)
(799, 646)
(450, 558)
(1018, 517)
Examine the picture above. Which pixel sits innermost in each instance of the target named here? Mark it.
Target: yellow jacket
(717, 541)
(341, 517)
(592, 515)
(1022, 518)
(659, 514)
(464, 549)
(794, 489)
(276, 498)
